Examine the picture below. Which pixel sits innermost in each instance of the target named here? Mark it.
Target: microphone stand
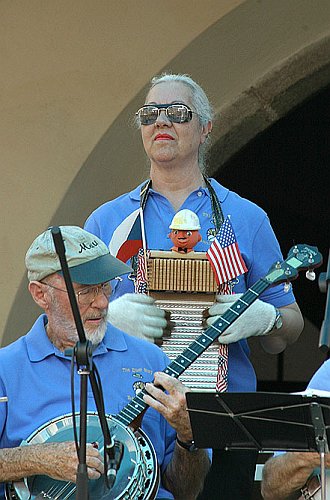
(324, 280)
(324, 345)
(321, 442)
(83, 353)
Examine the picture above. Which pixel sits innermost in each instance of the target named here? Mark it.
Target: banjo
(138, 474)
(312, 489)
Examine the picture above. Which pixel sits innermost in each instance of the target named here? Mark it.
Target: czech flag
(127, 237)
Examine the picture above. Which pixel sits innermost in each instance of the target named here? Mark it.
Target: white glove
(136, 314)
(258, 319)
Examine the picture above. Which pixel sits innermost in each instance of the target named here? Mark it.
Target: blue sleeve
(321, 379)
(266, 252)
(92, 226)
(104, 220)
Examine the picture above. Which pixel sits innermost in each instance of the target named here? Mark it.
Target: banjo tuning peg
(310, 275)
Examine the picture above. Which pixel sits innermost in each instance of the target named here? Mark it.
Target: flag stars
(224, 255)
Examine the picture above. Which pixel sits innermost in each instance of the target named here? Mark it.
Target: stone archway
(270, 98)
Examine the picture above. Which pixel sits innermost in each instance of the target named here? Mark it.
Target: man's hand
(167, 395)
(171, 404)
(258, 319)
(138, 315)
(62, 461)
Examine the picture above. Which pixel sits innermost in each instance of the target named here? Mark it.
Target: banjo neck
(131, 415)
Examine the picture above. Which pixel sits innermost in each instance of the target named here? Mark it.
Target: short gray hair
(199, 99)
(200, 103)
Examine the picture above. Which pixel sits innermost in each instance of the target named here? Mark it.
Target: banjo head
(137, 477)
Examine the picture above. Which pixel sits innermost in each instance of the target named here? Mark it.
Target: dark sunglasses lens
(178, 113)
(148, 115)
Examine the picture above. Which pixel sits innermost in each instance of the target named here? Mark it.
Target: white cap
(186, 220)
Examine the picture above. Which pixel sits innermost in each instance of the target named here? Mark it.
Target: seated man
(35, 374)
(286, 474)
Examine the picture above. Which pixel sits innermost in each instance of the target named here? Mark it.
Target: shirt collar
(39, 346)
(135, 194)
(222, 192)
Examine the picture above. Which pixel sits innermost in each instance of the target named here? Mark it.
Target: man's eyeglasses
(87, 295)
(176, 113)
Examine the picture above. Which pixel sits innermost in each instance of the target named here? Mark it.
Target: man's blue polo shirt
(35, 376)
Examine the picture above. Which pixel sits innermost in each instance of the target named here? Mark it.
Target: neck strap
(215, 202)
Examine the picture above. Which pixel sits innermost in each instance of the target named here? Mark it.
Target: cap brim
(99, 270)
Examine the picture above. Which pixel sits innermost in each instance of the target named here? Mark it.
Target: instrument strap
(144, 193)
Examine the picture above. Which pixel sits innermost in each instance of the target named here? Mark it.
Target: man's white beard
(96, 336)
(68, 326)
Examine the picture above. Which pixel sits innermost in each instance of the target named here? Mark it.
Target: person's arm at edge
(19, 462)
(292, 325)
(185, 474)
(284, 475)
(56, 460)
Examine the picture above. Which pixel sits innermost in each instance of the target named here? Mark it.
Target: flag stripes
(224, 255)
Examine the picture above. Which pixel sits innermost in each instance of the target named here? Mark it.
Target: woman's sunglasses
(176, 113)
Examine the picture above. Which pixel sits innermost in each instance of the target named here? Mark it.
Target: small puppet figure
(184, 231)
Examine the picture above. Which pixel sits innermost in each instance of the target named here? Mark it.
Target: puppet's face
(185, 238)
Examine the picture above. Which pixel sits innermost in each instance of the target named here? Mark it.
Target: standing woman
(175, 123)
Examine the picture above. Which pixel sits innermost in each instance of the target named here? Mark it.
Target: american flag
(141, 282)
(227, 263)
(224, 255)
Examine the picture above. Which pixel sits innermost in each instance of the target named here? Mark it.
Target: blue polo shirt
(35, 376)
(321, 378)
(256, 240)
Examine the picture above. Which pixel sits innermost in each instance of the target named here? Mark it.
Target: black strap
(215, 204)
(144, 193)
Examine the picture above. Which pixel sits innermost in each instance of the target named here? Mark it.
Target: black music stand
(261, 420)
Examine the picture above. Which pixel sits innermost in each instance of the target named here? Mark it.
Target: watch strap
(187, 445)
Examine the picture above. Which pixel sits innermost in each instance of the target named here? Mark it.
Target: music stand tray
(259, 420)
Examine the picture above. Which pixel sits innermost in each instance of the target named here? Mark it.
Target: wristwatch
(278, 320)
(189, 446)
